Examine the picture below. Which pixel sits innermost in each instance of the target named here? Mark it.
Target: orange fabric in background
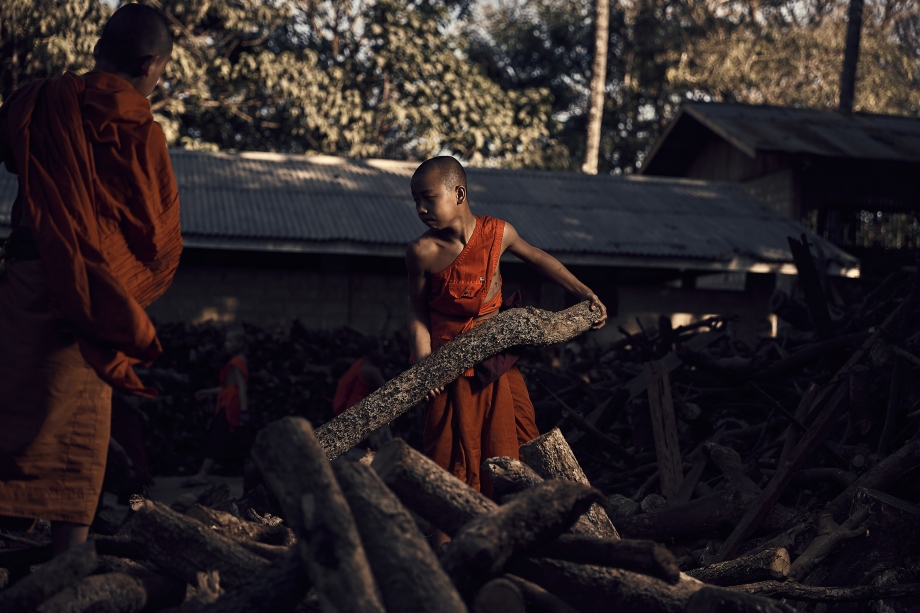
(109, 238)
(228, 400)
(468, 422)
(351, 389)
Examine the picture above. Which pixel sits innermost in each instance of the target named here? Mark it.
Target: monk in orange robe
(95, 240)
(454, 285)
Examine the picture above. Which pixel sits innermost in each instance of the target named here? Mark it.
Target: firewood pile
(681, 470)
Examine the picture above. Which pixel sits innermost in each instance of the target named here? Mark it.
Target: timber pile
(777, 476)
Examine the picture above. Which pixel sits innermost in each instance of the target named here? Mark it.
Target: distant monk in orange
(454, 285)
(95, 240)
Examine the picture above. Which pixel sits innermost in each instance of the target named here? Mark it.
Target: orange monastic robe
(351, 389)
(97, 192)
(469, 422)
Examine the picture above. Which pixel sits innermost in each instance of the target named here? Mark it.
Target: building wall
(369, 294)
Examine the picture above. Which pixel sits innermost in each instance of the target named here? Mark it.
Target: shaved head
(447, 168)
(132, 35)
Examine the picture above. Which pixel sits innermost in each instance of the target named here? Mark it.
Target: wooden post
(664, 427)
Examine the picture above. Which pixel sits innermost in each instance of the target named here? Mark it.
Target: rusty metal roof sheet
(316, 204)
(813, 131)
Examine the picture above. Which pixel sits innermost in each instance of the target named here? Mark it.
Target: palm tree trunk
(851, 56)
(598, 83)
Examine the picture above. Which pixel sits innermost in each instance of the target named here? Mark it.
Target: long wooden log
(595, 588)
(766, 565)
(279, 587)
(722, 600)
(720, 509)
(295, 469)
(511, 594)
(407, 571)
(107, 592)
(231, 526)
(878, 477)
(185, 547)
(534, 517)
(52, 577)
(524, 326)
(639, 556)
(427, 489)
(811, 593)
(509, 476)
(551, 457)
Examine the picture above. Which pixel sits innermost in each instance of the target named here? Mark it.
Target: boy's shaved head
(447, 168)
(133, 34)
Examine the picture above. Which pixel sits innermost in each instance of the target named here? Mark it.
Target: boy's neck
(461, 230)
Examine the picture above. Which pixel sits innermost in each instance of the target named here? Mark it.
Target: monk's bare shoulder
(422, 251)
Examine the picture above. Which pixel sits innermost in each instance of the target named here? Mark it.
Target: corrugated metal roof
(268, 201)
(818, 132)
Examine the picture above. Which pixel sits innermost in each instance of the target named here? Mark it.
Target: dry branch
(525, 326)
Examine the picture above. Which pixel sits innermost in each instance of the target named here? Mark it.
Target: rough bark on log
(524, 326)
(551, 457)
(594, 588)
(511, 594)
(536, 516)
(408, 573)
(765, 565)
(296, 470)
(427, 489)
(185, 547)
(722, 508)
(664, 428)
(509, 476)
(893, 537)
(830, 535)
(231, 526)
(639, 556)
(723, 600)
(279, 587)
(879, 477)
(53, 576)
(107, 592)
(808, 593)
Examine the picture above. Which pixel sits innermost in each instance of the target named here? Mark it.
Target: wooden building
(272, 238)
(850, 177)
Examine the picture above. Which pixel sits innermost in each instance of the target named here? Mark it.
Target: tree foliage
(499, 83)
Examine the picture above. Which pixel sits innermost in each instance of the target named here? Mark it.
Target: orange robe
(97, 190)
(351, 389)
(228, 400)
(469, 422)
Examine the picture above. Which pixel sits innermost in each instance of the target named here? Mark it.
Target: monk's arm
(417, 320)
(552, 269)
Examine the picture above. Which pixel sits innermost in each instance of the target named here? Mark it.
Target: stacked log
(734, 478)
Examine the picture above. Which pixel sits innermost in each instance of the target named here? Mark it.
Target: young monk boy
(454, 285)
(96, 239)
